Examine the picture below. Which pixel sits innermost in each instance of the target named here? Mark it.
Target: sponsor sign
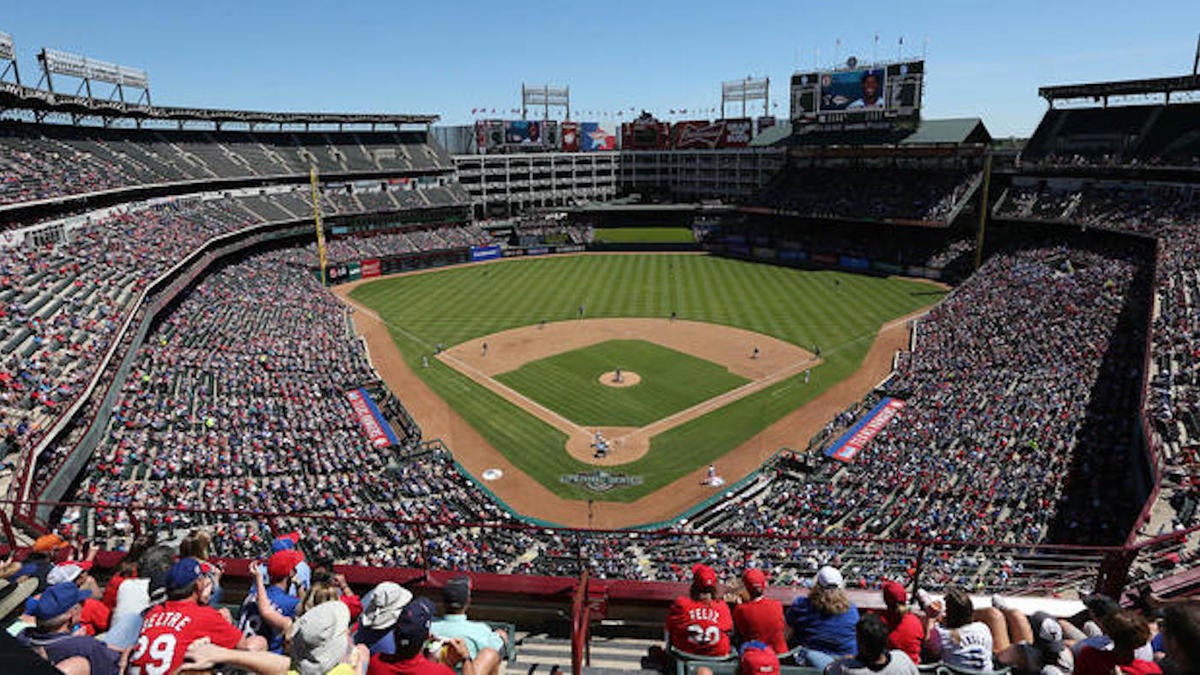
(887, 267)
(764, 253)
(819, 258)
(378, 431)
(857, 436)
(696, 134)
(592, 138)
(600, 481)
(736, 133)
(485, 252)
(852, 263)
(570, 136)
(537, 250)
(371, 268)
(792, 254)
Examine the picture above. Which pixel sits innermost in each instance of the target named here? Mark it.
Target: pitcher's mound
(628, 379)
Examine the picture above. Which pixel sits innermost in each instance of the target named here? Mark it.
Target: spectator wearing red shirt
(905, 631)
(168, 629)
(759, 618)
(95, 615)
(410, 633)
(1128, 631)
(699, 623)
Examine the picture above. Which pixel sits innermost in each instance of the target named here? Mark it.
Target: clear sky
(983, 58)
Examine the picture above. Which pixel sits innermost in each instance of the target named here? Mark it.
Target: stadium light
(546, 96)
(56, 62)
(8, 54)
(744, 91)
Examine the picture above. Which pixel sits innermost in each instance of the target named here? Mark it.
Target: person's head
(1128, 630)
(960, 611)
(77, 572)
(186, 580)
(758, 658)
(58, 607)
(704, 582)
(872, 634)
(318, 594)
(281, 566)
(195, 545)
(456, 594)
(1100, 606)
(894, 596)
(47, 545)
(412, 628)
(128, 567)
(321, 638)
(870, 86)
(828, 594)
(755, 581)
(388, 600)
(1181, 635)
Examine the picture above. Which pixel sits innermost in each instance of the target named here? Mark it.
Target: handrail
(580, 621)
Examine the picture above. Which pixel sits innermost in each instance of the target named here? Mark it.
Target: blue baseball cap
(58, 600)
(183, 573)
(413, 625)
(286, 542)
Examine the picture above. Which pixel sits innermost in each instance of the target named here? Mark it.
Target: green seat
(510, 638)
(686, 664)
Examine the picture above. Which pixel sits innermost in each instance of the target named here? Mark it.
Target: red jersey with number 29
(700, 627)
(169, 628)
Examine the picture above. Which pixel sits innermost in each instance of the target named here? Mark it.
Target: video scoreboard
(876, 93)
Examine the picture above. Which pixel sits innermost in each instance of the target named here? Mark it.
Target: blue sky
(984, 58)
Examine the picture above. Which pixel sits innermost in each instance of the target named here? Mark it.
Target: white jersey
(969, 646)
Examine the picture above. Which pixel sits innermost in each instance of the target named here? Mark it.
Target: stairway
(543, 653)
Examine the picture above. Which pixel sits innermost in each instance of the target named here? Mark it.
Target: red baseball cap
(754, 578)
(703, 576)
(758, 659)
(281, 563)
(894, 593)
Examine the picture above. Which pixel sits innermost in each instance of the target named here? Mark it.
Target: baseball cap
(47, 543)
(320, 638)
(703, 576)
(894, 593)
(68, 571)
(758, 659)
(829, 577)
(1046, 630)
(413, 625)
(457, 591)
(285, 542)
(387, 602)
(58, 600)
(182, 573)
(281, 563)
(754, 578)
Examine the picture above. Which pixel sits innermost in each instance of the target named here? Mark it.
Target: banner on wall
(856, 437)
(378, 431)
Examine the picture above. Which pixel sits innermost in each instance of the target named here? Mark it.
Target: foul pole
(312, 178)
(983, 209)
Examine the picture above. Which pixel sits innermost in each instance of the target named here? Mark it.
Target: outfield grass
(644, 235)
(803, 307)
(671, 381)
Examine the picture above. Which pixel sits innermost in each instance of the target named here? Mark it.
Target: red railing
(580, 626)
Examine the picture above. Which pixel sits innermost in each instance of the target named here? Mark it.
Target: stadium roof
(958, 130)
(15, 96)
(1159, 85)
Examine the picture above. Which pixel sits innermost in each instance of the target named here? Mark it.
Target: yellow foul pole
(312, 178)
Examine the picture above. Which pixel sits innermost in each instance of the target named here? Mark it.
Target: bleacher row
(929, 195)
(47, 161)
(1118, 135)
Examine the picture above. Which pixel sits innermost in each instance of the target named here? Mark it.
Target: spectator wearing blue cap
(410, 634)
(57, 636)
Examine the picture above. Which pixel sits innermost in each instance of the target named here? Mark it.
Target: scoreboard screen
(882, 92)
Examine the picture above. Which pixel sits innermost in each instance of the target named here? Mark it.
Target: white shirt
(969, 646)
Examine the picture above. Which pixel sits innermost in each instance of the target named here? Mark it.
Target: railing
(580, 626)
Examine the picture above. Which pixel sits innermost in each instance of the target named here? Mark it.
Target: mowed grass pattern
(804, 307)
(671, 381)
(644, 235)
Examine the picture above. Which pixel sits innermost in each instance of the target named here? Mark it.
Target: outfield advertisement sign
(371, 268)
(793, 255)
(378, 431)
(485, 252)
(853, 263)
(856, 437)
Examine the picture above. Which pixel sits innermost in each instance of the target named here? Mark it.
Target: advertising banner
(522, 132)
(489, 134)
(485, 252)
(371, 268)
(764, 253)
(792, 254)
(819, 258)
(846, 448)
(342, 273)
(592, 138)
(696, 134)
(570, 136)
(537, 250)
(378, 431)
(735, 133)
(887, 267)
(852, 263)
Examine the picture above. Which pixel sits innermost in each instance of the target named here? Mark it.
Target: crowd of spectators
(855, 193)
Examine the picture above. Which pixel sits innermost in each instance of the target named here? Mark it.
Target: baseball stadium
(328, 376)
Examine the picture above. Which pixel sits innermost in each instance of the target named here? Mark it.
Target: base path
(527, 496)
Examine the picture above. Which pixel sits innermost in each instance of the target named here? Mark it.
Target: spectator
(822, 624)
(485, 646)
(1128, 631)
(55, 637)
(958, 639)
(321, 643)
(135, 595)
(699, 623)
(380, 615)
(1181, 638)
(281, 569)
(873, 656)
(410, 633)
(40, 561)
(94, 615)
(759, 618)
(905, 631)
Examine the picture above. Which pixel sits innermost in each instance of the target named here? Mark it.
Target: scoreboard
(876, 93)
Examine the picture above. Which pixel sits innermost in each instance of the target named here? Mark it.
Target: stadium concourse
(175, 369)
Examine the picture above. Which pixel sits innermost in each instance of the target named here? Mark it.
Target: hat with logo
(281, 563)
(829, 577)
(413, 625)
(703, 576)
(758, 659)
(182, 573)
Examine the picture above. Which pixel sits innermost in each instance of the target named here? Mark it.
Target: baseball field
(525, 351)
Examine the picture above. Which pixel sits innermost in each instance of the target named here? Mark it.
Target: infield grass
(671, 381)
(804, 307)
(644, 235)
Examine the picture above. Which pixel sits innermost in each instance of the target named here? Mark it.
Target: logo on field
(600, 481)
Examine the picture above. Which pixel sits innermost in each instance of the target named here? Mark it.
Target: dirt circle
(628, 379)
